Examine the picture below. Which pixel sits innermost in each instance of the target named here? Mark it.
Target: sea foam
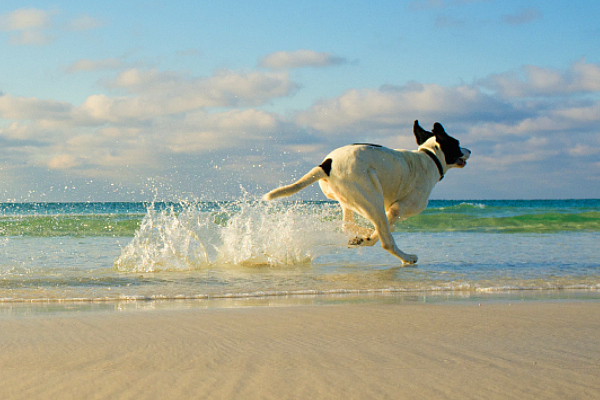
(240, 233)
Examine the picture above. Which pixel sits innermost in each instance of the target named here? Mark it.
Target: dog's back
(396, 170)
(365, 171)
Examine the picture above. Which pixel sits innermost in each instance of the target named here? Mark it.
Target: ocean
(119, 254)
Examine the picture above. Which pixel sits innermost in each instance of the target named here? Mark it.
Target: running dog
(381, 184)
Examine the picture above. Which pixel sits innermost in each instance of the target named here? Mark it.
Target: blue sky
(129, 100)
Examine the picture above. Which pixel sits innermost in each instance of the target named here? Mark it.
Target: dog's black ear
(438, 130)
(421, 134)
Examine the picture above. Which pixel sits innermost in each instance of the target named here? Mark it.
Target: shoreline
(455, 350)
(10, 307)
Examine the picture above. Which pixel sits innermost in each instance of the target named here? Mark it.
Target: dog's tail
(315, 174)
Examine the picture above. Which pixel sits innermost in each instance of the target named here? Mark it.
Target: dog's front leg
(377, 215)
(389, 244)
(393, 214)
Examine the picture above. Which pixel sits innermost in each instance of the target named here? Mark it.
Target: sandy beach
(520, 350)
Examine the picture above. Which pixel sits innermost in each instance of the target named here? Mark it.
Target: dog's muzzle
(462, 161)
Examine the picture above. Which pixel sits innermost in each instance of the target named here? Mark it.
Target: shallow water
(104, 252)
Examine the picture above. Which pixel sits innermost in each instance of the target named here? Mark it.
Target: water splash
(241, 233)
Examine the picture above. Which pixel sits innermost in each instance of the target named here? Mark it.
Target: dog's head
(454, 155)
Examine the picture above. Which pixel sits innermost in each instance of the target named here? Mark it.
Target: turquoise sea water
(65, 252)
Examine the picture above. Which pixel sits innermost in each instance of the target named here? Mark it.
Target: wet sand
(523, 350)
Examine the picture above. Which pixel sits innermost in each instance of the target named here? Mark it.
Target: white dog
(381, 184)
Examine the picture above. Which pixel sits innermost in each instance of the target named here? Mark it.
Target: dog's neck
(435, 159)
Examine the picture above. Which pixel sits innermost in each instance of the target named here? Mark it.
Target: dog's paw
(361, 241)
(357, 241)
(411, 259)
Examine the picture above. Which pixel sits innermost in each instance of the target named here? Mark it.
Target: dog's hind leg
(349, 226)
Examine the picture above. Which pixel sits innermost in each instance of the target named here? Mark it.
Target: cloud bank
(299, 59)
(32, 26)
(536, 126)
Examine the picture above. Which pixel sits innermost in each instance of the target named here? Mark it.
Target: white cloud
(63, 161)
(151, 121)
(25, 19)
(523, 16)
(95, 65)
(31, 108)
(515, 140)
(30, 38)
(106, 133)
(235, 120)
(392, 107)
(201, 131)
(299, 59)
(99, 109)
(30, 26)
(532, 81)
(585, 76)
(26, 26)
(84, 22)
(582, 150)
(169, 92)
(584, 114)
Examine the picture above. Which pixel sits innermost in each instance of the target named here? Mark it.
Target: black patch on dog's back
(326, 166)
(366, 144)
